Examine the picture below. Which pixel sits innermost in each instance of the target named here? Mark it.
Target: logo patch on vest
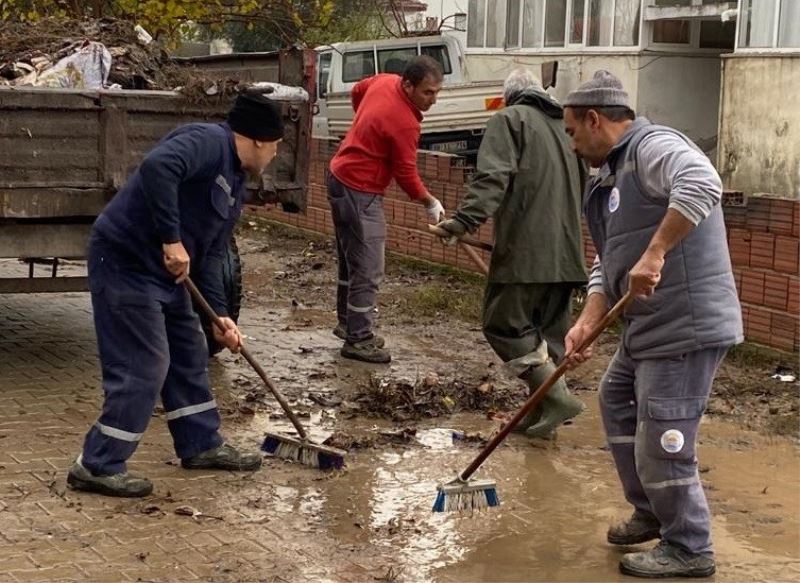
(672, 441)
(613, 200)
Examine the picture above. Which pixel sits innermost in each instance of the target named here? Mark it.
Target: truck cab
(341, 65)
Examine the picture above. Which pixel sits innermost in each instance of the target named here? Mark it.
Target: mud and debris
(29, 49)
(371, 521)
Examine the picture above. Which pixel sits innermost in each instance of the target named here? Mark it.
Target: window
(789, 25)
(358, 65)
(394, 60)
(515, 24)
(576, 24)
(496, 24)
(324, 73)
(715, 34)
(441, 55)
(600, 15)
(626, 23)
(769, 24)
(512, 24)
(555, 23)
(532, 20)
(476, 22)
(673, 32)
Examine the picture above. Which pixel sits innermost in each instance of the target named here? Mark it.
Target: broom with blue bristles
(466, 494)
(300, 449)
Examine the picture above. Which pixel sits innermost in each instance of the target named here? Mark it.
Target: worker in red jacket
(381, 145)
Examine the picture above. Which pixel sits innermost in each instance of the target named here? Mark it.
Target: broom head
(466, 496)
(304, 452)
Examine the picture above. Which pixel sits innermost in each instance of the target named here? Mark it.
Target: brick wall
(763, 236)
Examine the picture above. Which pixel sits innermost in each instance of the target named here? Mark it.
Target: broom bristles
(309, 454)
(466, 496)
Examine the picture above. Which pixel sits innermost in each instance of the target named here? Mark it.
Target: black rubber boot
(224, 457)
(122, 485)
(639, 528)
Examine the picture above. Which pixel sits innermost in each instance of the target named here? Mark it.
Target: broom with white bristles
(464, 494)
(300, 450)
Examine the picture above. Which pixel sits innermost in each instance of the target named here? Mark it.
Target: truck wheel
(232, 284)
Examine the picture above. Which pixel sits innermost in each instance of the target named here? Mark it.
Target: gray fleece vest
(695, 304)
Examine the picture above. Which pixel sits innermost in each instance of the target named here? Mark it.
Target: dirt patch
(297, 266)
(431, 396)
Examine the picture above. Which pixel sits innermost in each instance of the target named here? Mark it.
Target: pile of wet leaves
(429, 396)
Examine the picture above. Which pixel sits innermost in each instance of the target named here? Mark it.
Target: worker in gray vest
(655, 218)
(529, 182)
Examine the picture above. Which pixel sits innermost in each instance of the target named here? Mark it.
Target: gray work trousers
(360, 242)
(651, 411)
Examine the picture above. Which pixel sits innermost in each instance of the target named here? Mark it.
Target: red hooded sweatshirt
(382, 142)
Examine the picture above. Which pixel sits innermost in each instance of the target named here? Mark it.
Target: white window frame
(774, 49)
(568, 47)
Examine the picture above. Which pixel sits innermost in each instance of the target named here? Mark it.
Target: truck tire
(232, 284)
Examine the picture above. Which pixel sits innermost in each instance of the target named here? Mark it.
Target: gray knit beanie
(602, 90)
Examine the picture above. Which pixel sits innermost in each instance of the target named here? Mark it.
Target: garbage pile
(96, 54)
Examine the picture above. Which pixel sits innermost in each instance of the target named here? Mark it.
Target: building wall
(759, 150)
(763, 237)
(683, 93)
(677, 90)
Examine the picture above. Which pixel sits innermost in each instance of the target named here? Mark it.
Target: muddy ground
(436, 305)
(372, 521)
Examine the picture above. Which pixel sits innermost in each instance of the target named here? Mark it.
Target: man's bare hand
(574, 338)
(176, 260)
(646, 274)
(231, 338)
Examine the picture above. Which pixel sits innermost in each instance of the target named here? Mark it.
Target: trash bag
(86, 68)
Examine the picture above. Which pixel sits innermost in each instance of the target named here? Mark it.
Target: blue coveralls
(189, 188)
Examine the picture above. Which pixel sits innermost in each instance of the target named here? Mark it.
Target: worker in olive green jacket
(529, 181)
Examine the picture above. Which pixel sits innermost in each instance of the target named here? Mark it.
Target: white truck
(454, 125)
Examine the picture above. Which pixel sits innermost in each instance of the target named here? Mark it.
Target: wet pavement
(371, 522)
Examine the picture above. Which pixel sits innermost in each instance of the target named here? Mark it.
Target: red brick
(752, 290)
(739, 245)
(787, 254)
(758, 210)
(762, 250)
(735, 217)
(776, 291)
(793, 296)
(781, 216)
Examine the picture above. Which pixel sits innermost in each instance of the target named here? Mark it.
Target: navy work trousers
(150, 344)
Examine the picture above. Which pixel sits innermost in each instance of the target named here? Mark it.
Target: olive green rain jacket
(529, 181)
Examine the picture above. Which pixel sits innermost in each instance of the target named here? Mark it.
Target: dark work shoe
(666, 560)
(224, 457)
(366, 351)
(340, 332)
(639, 528)
(121, 485)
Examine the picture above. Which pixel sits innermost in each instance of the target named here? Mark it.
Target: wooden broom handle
(467, 245)
(209, 311)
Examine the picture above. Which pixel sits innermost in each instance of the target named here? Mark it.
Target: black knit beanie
(256, 117)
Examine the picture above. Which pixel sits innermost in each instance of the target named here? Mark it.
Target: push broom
(466, 494)
(301, 450)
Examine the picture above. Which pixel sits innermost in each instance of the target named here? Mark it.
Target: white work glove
(435, 210)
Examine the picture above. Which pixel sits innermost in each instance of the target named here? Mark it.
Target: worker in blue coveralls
(176, 212)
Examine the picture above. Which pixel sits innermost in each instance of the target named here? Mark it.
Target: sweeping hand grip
(439, 232)
(541, 391)
(212, 315)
